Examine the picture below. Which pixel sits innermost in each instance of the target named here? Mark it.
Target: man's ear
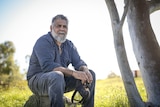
(51, 27)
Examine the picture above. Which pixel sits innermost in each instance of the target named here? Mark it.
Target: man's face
(59, 30)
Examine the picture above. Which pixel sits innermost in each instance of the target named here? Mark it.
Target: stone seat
(43, 101)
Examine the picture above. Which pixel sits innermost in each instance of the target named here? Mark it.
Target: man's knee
(59, 72)
(93, 74)
(56, 76)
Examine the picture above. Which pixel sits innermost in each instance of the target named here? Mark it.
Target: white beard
(60, 38)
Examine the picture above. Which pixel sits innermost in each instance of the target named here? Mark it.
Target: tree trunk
(127, 76)
(146, 48)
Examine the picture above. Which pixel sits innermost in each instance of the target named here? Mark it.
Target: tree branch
(124, 14)
(154, 5)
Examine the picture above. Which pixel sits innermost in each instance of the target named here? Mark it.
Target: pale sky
(24, 21)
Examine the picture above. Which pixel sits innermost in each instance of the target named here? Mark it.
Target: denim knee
(93, 74)
(56, 78)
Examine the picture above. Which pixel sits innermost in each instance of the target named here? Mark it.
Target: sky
(24, 21)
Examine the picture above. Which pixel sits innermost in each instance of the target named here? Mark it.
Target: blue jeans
(54, 85)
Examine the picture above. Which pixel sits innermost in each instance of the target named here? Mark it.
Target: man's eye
(63, 26)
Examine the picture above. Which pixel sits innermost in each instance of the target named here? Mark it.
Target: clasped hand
(84, 76)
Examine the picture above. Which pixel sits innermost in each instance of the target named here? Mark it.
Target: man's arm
(83, 76)
(65, 71)
(83, 68)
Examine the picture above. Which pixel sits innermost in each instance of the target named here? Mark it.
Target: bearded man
(48, 73)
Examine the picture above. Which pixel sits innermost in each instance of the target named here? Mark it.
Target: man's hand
(83, 76)
(89, 75)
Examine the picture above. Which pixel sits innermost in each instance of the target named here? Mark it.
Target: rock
(37, 101)
(43, 101)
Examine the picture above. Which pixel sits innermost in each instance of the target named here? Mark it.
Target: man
(48, 72)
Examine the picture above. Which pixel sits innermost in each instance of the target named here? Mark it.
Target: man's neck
(59, 46)
(58, 43)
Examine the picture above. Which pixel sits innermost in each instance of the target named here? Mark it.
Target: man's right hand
(81, 76)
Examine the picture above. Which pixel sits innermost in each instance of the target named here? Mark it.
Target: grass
(15, 96)
(109, 93)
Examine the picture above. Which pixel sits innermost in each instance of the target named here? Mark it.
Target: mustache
(61, 33)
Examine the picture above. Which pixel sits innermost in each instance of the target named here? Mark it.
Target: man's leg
(49, 84)
(72, 83)
(90, 101)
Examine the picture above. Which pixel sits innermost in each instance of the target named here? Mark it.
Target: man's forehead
(60, 22)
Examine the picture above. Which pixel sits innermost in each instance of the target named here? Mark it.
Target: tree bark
(146, 48)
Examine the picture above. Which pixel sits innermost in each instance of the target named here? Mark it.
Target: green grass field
(109, 93)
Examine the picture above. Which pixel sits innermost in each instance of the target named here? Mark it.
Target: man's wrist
(83, 68)
(72, 73)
